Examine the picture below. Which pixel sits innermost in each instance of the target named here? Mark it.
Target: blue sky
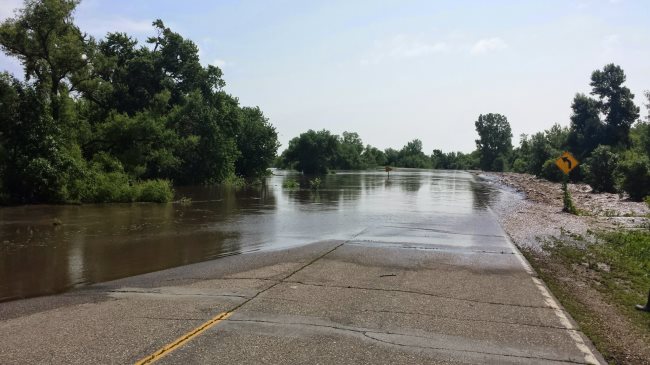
(397, 70)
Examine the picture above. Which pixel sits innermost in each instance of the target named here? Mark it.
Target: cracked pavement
(411, 288)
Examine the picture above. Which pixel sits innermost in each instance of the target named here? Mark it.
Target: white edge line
(589, 356)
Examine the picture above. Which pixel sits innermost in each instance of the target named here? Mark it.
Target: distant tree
(313, 152)
(372, 156)
(616, 102)
(495, 141)
(392, 156)
(411, 155)
(349, 153)
(257, 142)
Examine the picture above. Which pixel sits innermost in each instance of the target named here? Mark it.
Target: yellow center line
(165, 350)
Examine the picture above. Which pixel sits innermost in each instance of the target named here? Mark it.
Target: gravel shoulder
(530, 211)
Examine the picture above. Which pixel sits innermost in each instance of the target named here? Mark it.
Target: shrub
(551, 172)
(290, 184)
(600, 169)
(635, 175)
(156, 191)
(314, 183)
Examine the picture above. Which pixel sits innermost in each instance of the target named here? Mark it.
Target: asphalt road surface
(445, 287)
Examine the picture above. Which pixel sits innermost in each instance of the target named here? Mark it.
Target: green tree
(587, 130)
(257, 142)
(599, 169)
(48, 44)
(313, 152)
(372, 157)
(616, 102)
(349, 152)
(495, 141)
(411, 155)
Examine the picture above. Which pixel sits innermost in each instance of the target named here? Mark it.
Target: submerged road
(441, 286)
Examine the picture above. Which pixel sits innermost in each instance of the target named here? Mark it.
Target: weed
(314, 184)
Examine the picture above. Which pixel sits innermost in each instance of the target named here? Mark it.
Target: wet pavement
(426, 278)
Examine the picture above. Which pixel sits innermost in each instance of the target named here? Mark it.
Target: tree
(257, 142)
(495, 141)
(600, 168)
(349, 153)
(313, 152)
(372, 157)
(411, 155)
(113, 120)
(48, 44)
(616, 102)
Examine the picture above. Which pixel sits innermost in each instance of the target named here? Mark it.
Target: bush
(551, 172)
(99, 186)
(635, 175)
(314, 183)
(155, 191)
(520, 166)
(600, 169)
(290, 184)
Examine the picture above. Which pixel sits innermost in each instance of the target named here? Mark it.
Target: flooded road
(49, 249)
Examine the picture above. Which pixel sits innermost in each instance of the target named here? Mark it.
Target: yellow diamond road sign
(566, 162)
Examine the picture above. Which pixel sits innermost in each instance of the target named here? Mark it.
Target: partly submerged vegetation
(112, 120)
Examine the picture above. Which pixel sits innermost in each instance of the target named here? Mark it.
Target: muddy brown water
(49, 249)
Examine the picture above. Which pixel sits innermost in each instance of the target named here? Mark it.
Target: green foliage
(257, 142)
(600, 168)
(313, 152)
(495, 141)
(567, 201)
(290, 184)
(373, 157)
(314, 184)
(550, 171)
(615, 102)
(587, 130)
(410, 155)
(156, 190)
(141, 116)
(635, 175)
(454, 160)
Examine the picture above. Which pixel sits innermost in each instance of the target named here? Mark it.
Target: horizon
(396, 71)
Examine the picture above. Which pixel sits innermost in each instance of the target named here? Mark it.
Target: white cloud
(488, 45)
(403, 47)
(219, 63)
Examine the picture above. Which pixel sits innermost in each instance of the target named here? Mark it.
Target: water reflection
(96, 243)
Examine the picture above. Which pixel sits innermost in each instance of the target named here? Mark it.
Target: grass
(615, 266)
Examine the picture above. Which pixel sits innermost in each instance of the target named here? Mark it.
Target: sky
(393, 71)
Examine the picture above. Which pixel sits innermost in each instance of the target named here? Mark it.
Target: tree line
(99, 120)
(318, 152)
(605, 134)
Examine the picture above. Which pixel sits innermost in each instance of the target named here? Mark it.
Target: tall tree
(616, 102)
(48, 44)
(587, 130)
(313, 152)
(495, 141)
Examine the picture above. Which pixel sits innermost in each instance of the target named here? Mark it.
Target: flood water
(50, 249)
